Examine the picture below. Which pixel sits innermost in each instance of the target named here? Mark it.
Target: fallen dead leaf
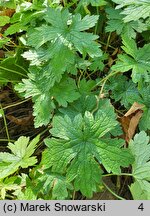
(130, 120)
(133, 124)
(136, 106)
(125, 121)
(7, 12)
(20, 121)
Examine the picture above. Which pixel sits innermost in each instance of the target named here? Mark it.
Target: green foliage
(26, 15)
(54, 185)
(94, 3)
(3, 41)
(80, 143)
(140, 148)
(8, 184)
(4, 20)
(44, 97)
(134, 9)
(145, 95)
(64, 37)
(83, 64)
(97, 63)
(127, 93)
(8, 4)
(12, 69)
(124, 91)
(135, 59)
(116, 23)
(20, 156)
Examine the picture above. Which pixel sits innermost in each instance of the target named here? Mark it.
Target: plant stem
(104, 81)
(121, 174)
(64, 2)
(107, 77)
(112, 192)
(74, 193)
(22, 68)
(101, 91)
(108, 45)
(6, 140)
(108, 40)
(15, 72)
(96, 26)
(5, 123)
(16, 104)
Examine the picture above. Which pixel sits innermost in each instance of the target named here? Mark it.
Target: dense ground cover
(74, 99)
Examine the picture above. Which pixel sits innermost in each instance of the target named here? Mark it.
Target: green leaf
(69, 95)
(84, 180)
(43, 108)
(66, 30)
(97, 63)
(138, 192)
(8, 185)
(24, 17)
(55, 184)
(140, 148)
(145, 120)
(85, 87)
(8, 4)
(12, 70)
(44, 97)
(134, 9)
(61, 60)
(137, 60)
(26, 192)
(56, 47)
(116, 23)
(4, 20)
(20, 156)
(27, 195)
(94, 3)
(83, 104)
(127, 93)
(124, 91)
(80, 147)
(16, 27)
(145, 95)
(3, 41)
(37, 88)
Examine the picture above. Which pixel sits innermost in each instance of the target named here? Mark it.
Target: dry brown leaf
(133, 124)
(125, 121)
(20, 121)
(7, 12)
(136, 106)
(130, 120)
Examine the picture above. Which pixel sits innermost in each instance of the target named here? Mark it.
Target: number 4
(141, 207)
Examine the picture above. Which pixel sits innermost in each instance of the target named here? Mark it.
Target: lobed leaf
(137, 60)
(78, 146)
(140, 148)
(20, 156)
